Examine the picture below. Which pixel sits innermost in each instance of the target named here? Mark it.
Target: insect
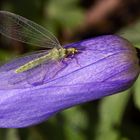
(21, 29)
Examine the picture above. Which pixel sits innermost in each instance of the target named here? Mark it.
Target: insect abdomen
(31, 64)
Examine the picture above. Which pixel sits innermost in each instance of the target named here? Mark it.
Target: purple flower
(104, 65)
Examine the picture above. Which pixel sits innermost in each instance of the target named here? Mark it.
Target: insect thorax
(71, 51)
(63, 53)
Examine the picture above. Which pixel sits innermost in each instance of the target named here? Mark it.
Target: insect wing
(45, 72)
(38, 75)
(21, 29)
(17, 80)
(20, 61)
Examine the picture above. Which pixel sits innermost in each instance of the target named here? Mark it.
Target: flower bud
(102, 66)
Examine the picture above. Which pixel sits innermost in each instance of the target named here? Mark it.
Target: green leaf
(111, 110)
(66, 13)
(137, 93)
(12, 134)
(3, 133)
(75, 123)
(132, 33)
(5, 56)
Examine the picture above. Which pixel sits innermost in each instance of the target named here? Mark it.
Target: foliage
(112, 118)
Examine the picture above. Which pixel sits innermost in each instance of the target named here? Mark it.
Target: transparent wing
(19, 61)
(21, 29)
(44, 72)
(38, 75)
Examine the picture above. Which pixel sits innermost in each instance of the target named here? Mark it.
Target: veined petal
(104, 65)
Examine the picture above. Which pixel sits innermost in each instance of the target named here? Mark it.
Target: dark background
(113, 118)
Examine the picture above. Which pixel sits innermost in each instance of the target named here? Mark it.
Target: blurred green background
(115, 117)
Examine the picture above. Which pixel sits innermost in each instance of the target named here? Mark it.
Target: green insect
(21, 29)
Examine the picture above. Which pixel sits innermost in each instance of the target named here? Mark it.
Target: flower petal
(104, 65)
